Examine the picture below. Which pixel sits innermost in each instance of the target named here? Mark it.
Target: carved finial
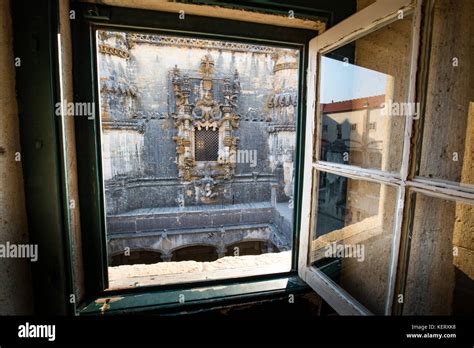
(236, 84)
(226, 90)
(176, 78)
(186, 86)
(207, 66)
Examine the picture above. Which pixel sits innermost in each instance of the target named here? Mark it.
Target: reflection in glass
(440, 277)
(363, 90)
(352, 239)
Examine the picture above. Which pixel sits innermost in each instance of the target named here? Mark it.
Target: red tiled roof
(354, 104)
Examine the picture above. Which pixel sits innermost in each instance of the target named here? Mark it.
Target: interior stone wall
(450, 91)
(15, 278)
(441, 264)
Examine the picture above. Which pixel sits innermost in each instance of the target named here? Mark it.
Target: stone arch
(195, 252)
(250, 246)
(137, 256)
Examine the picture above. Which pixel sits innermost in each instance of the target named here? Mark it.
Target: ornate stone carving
(111, 88)
(132, 38)
(206, 113)
(208, 188)
(138, 125)
(285, 66)
(114, 51)
(280, 100)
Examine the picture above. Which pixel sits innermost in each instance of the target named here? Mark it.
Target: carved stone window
(206, 115)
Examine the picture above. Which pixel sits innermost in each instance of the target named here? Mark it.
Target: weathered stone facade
(167, 103)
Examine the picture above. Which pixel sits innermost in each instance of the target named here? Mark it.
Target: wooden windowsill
(174, 301)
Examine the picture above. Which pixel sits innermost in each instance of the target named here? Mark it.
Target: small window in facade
(339, 131)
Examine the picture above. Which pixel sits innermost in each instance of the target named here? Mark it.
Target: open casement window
(377, 221)
(356, 156)
(357, 189)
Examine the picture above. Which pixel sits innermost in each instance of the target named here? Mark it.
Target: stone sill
(165, 273)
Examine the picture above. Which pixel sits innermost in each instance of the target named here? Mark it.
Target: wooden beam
(216, 12)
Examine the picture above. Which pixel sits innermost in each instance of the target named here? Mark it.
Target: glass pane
(352, 240)
(198, 147)
(363, 91)
(448, 136)
(440, 276)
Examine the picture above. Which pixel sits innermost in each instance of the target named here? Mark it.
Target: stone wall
(441, 264)
(449, 94)
(137, 98)
(15, 289)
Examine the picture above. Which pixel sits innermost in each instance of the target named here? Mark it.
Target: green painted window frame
(92, 17)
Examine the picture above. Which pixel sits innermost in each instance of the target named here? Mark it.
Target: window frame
(96, 17)
(364, 22)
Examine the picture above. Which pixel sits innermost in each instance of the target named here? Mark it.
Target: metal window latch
(93, 12)
(105, 306)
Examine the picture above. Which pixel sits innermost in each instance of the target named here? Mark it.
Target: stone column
(283, 108)
(221, 250)
(269, 247)
(166, 256)
(274, 194)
